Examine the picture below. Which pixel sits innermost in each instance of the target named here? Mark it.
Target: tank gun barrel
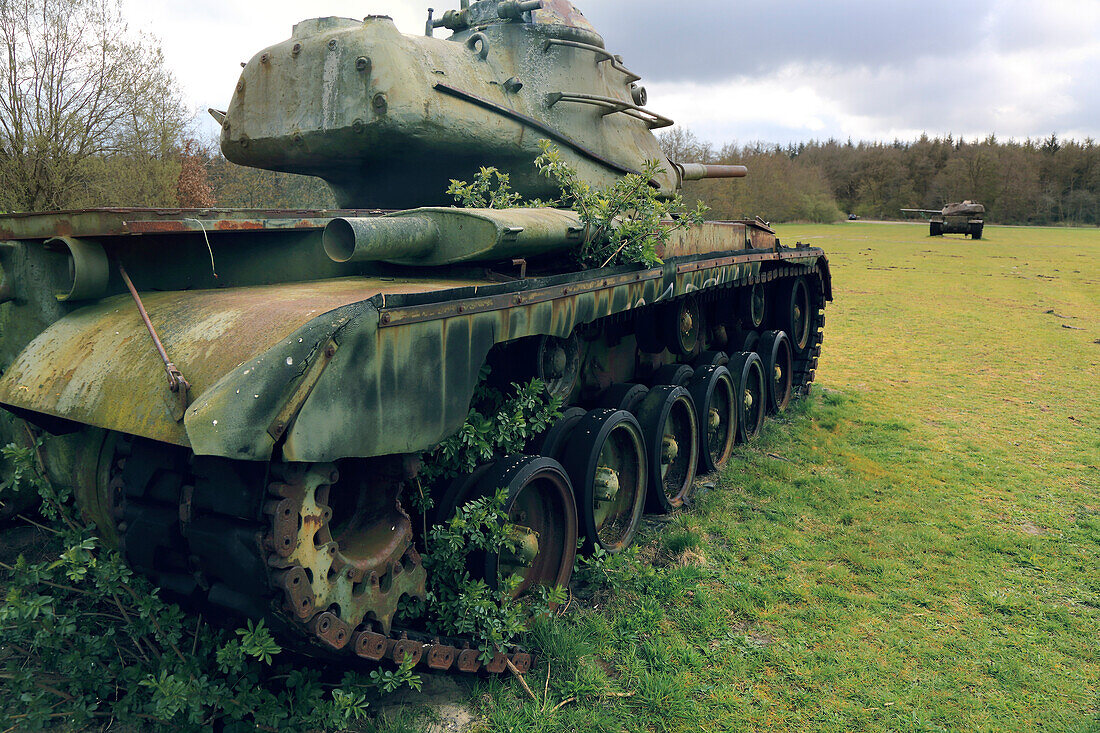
(699, 171)
(439, 236)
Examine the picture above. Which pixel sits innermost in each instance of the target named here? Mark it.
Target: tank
(242, 400)
(965, 217)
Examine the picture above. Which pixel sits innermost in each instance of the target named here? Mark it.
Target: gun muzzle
(699, 171)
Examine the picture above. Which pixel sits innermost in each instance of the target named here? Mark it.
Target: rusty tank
(241, 400)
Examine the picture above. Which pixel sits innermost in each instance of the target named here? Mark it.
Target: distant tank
(241, 399)
(960, 218)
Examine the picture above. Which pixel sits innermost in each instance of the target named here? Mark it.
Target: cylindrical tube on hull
(379, 238)
(437, 236)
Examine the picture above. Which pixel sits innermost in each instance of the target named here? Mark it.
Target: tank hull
(328, 384)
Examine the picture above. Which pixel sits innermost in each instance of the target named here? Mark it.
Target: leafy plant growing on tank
(86, 643)
(497, 425)
(459, 604)
(624, 223)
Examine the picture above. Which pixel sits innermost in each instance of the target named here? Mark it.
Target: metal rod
(176, 381)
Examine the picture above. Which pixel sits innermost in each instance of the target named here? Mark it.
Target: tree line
(1041, 181)
(90, 115)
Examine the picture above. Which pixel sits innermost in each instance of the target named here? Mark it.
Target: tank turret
(388, 119)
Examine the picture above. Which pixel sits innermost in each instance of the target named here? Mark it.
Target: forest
(1048, 181)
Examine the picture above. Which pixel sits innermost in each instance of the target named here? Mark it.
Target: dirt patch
(441, 704)
(691, 558)
(1031, 529)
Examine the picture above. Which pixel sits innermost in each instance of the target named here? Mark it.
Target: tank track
(201, 529)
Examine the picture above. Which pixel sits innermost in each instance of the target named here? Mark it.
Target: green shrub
(84, 641)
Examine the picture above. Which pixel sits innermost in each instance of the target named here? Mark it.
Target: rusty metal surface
(96, 366)
(408, 355)
(338, 583)
(121, 221)
(561, 12)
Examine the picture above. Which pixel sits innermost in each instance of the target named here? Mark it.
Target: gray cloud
(865, 68)
(706, 40)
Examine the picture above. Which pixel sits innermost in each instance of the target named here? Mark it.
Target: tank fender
(404, 389)
(246, 352)
(246, 412)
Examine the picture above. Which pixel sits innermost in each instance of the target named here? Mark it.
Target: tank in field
(964, 217)
(241, 400)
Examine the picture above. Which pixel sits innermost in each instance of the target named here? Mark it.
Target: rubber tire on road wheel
(710, 358)
(753, 306)
(796, 319)
(623, 396)
(583, 454)
(558, 510)
(677, 375)
(663, 404)
(750, 343)
(552, 442)
(712, 388)
(748, 372)
(776, 352)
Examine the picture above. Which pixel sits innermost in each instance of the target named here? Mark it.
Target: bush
(84, 641)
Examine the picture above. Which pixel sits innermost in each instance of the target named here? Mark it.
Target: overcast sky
(755, 70)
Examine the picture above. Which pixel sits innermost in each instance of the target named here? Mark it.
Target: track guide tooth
(400, 650)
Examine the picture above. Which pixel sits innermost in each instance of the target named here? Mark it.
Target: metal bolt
(296, 50)
(263, 58)
(332, 44)
(362, 63)
(379, 103)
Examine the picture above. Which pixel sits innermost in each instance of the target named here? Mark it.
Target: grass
(915, 548)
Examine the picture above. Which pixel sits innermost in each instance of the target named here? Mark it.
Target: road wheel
(670, 428)
(748, 371)
(775, 351)
(606, 461)
(713, 392)
(542, 517)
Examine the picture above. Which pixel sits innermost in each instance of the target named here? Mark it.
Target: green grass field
(915, 548)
